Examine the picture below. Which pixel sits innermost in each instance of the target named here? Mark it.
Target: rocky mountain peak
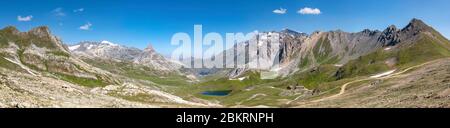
(416, 25)
(369, 32)
(417, 22)
(149, 49)
(149, 57)
(390, 36)
(391, 28)
(40, 37)
(41, 31)
(289, 31)
(11, 29)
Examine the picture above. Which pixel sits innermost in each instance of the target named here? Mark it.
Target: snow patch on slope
(71, 48)
(382, 74)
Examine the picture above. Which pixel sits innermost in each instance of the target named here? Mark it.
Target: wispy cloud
(58, 12)
(87, 26)
(280, 11)
(78, 10)
(24, 19)
(309, 11)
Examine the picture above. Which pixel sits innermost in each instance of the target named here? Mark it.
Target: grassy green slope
(425, 49)
(140, 72)
(24, 40)
(326, 76)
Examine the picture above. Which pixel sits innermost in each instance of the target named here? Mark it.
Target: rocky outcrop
(390, 36)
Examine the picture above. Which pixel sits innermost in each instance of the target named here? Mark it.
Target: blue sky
(138, 23)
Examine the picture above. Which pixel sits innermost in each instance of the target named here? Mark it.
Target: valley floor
(425, 85)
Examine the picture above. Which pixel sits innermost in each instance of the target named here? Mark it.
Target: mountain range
(106, 50)
(299, 51)
(38, 70)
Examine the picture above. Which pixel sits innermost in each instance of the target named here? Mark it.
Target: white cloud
(309, 11)
(79, 10)
(280, 11)
(24, 19)
(87, 26)
(58, 12)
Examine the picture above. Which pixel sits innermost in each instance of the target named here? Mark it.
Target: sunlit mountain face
(223, 54)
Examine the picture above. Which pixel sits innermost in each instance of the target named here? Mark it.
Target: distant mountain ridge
(109, 51)
(105, 50)
(299, 52)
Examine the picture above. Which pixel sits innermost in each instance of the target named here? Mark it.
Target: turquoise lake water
(216, 93)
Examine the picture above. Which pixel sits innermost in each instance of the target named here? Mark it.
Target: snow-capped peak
(109, 43)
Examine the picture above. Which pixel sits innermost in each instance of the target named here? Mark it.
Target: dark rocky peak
(417, 21)
(390, 36)
(391, 29)
(416, 26)
(368, 32)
